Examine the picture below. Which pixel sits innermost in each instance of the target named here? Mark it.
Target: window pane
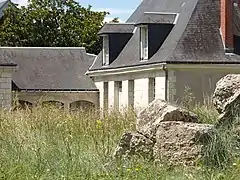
(144, 42)
(105, 50)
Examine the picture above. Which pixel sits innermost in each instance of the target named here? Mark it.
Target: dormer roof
(158, 18)
(110, 28)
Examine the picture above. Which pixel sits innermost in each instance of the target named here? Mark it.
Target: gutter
(125, 70)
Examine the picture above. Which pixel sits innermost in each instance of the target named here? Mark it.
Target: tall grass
(49, 143)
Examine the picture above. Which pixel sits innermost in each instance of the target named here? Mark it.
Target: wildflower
(99, 124)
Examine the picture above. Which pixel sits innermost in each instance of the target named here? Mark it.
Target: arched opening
(82, 105)
(20, 104)
(56, 104)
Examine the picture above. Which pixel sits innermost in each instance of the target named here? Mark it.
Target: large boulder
(134, 144)
(227, 92)
(181, 142)
(149, 119)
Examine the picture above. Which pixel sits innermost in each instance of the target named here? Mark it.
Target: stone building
(165, 47)
(49, 75)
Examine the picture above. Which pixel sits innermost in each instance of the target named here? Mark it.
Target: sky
(121, 8)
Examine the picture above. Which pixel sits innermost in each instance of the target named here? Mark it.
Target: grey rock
(149, 119)
(181, 143)
(227, 92)
(134, 144)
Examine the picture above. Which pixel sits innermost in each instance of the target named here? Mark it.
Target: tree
(52, 23)
(115, 20)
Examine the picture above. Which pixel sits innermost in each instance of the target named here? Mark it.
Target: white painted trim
(160, 66)
(125, 70)
(94, 61)
(92, 54)
(203, 66)
(134, 30)
(176, 19)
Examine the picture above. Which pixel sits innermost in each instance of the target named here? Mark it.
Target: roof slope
(50, 68)
(3, 5)
(116, 28)
(236, 20)
(195, 38)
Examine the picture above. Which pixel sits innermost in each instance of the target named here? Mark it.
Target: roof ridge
(7, 47)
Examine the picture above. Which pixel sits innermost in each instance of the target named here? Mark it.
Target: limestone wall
(5, 87)
(66, 98)
(135, 89)
(200, 82)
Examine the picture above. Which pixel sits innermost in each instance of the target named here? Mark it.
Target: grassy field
(48, 143)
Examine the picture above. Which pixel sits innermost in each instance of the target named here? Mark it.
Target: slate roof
(236, 20)
(50, 68)
(155, 17)
(3, 5)
(116, 28)
(195, 38)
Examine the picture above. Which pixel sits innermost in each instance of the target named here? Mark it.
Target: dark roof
(155, 17)
(116, 28)
(3, 5)
(195, 38)
(50, 68)
(236, 20)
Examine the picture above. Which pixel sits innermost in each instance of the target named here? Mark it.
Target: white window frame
(144, 42)
(105, 50)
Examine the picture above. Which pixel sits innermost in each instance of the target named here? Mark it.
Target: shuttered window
(144, 42)
(105, 50)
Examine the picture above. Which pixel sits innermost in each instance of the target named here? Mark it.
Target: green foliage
(48, 143)
(115, 20)
(206, 113)
(52, 23)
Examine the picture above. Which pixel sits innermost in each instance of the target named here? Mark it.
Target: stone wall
(135, 89)
(5, 87)
(67, 98)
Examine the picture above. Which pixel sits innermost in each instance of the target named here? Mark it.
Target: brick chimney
(227, 24)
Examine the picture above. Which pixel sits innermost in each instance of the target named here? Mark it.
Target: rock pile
(165, 132)
(172, 134)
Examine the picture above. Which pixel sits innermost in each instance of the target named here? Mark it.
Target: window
(105, 95)
(151, 89)
(120, 86)
(144, 42)
(105, 50)
(131, 93)
(117, 94)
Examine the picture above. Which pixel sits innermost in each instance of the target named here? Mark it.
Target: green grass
(48, 143)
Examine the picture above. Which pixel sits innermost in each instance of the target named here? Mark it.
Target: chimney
(227, 24)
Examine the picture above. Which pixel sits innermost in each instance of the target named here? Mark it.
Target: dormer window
(105, 50)
(144, 42)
